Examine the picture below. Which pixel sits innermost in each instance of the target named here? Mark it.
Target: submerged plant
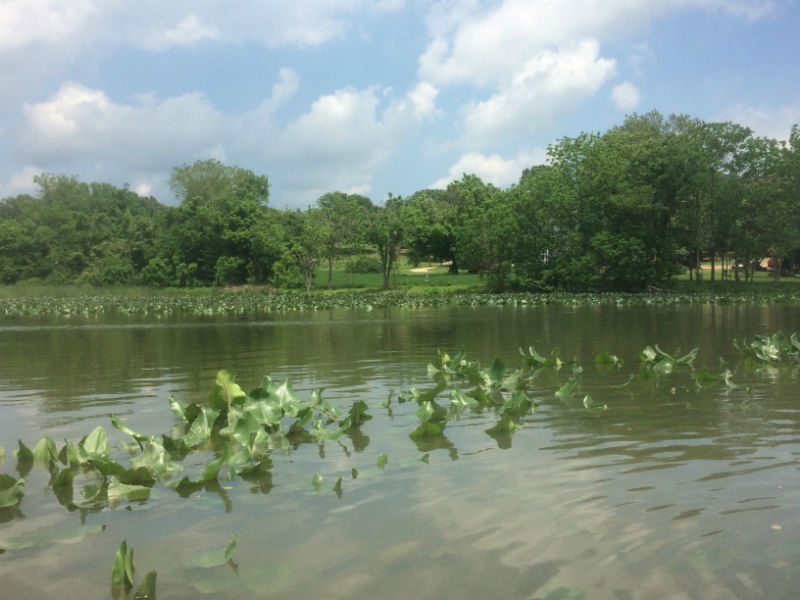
(122, 576)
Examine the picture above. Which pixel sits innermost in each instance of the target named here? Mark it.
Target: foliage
(625, 210)
(122, 576)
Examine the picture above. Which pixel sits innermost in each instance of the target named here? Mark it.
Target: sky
(369, 97)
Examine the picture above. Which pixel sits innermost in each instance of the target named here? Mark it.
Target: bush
(364, 264)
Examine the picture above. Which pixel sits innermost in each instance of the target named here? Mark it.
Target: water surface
(668, 492)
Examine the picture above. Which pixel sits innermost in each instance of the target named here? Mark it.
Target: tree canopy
(620, 210)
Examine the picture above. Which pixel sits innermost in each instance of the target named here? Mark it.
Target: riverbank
(67, 302)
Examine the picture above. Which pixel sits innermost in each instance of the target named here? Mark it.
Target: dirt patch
(249, 288)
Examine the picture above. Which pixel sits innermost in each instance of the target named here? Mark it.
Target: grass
(405, 279)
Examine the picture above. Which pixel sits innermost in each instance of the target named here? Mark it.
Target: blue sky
(380, 97)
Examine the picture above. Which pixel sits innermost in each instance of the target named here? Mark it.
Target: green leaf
(231, 548)
(604, 358)
(62, 486)
(316, 481)
(358, 413)
(10, 490)
(122, 571)
(156, 460)
(185, 487)
(459, 399)
(566, 391)
(117, 491)
(69, 455)
(45, 451)
(505, 424)
(494, 374)
(427, 430)
(225, 392)
(517, 405)
(138, 476)
(96, 443)
(382, 460)
(533, 356)
(2, 455)
(178, 407)
(139, 437)
(703, 378)
(648, 355)
(425, 411)
(24, 459)
(147, 588)
(727, 377)
(337, 487)
(201, 428)
(212, 468)
(426, 458)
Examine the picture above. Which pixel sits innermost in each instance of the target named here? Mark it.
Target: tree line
(622, 210)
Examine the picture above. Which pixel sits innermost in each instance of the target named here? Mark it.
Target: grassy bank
(426, 285)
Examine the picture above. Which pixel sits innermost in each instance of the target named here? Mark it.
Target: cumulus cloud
(20, 182)
(625, 96)
(546, 84)
(336, 144)
(157, 25)
(189, 31)
(342, 139)
(773, 122)
(540, 58)
(493, 169)
(78, 122)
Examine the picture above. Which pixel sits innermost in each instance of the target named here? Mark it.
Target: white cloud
(339, 143)
(157, 25)
(23, 22)
(20, 182)
(489, 46)
(493, 169)
(548, 83)
(79, 122)
(772, 122)
(336, 144)
(187, 32)
(143, 189)
(541, 58)
(626, 96)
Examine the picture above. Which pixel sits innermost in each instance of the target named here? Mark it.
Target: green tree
(385, 230)
(221, 225)
(343, 220)
(305, 236)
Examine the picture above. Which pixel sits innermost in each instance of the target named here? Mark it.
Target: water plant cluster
(255, 302)
(235, 433)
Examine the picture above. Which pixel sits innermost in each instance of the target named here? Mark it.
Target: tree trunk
(330, 272)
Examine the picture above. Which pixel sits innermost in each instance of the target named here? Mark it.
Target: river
(652, 489)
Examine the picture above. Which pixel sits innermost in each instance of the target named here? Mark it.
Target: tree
(430, 227)
(305, 235)
(385, 230)
(343, 218)
(222, 216)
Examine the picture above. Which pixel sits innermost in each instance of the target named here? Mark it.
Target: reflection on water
(668, 492)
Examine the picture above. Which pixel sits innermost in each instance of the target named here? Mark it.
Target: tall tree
(223, 213)
(386, 231)
(343, 217)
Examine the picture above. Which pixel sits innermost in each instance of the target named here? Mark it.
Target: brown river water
(659, 489)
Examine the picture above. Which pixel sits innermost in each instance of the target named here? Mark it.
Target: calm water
(670, 492)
